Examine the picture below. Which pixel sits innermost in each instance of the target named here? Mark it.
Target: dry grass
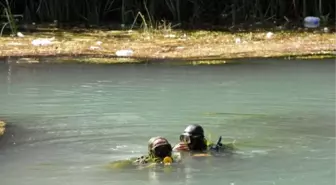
(198, 45)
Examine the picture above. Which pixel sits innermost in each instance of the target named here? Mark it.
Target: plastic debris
(238, 40)
(170, 36)
(42, 42)
(326, 30)
(19, 34)
(124, 53)
(94, 47)
(311, 22)
(269, 35)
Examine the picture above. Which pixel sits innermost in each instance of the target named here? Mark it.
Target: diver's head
(193, 135)
(159, 147)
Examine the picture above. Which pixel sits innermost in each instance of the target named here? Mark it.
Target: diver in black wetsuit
(193, 140)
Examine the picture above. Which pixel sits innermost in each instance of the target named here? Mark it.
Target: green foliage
(121, 164)
(187, 12)
(7, 12)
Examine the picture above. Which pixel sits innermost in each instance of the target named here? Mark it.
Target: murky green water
(69, 121)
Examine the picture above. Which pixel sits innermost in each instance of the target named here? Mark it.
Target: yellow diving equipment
(167, 160)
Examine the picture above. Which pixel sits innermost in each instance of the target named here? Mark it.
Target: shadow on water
(9, 137)
(26, 129)
(15, 134)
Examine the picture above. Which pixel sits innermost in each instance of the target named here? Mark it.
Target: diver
(193, 140)
(159, 152)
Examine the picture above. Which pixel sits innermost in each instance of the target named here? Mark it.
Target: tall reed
(10, 18)
(219, 12)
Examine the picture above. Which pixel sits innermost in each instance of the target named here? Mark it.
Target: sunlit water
(69, 121)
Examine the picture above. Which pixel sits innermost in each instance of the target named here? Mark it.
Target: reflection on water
(69, 121)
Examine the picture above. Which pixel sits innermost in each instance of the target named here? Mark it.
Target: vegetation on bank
(181, 13)
(84, 28)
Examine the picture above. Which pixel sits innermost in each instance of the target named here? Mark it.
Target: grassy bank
(97, 46)
(2, 127)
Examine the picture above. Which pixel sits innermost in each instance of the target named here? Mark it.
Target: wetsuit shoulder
(142, 160)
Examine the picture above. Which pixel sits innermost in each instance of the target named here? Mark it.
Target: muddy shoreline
(90, 59)
(208, 47)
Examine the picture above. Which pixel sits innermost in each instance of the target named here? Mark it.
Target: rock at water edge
(2, 127)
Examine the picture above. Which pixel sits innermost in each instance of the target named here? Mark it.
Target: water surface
(69, 121)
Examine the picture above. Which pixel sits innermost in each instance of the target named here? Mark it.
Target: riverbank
(97, 46)
(2, 127)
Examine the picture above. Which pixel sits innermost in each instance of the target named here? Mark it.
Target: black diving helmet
(193, 135)
(192, 132)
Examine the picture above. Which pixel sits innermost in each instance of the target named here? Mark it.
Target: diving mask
(185, 139)
(163, 151)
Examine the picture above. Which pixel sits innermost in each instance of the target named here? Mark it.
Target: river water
(67, 122)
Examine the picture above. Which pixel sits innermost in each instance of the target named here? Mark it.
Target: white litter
(124, 53)
(42, 42)
(326, 30)
(169, 36)
(94, 47)
(19, 34)
(269, 35)
(237, 40)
